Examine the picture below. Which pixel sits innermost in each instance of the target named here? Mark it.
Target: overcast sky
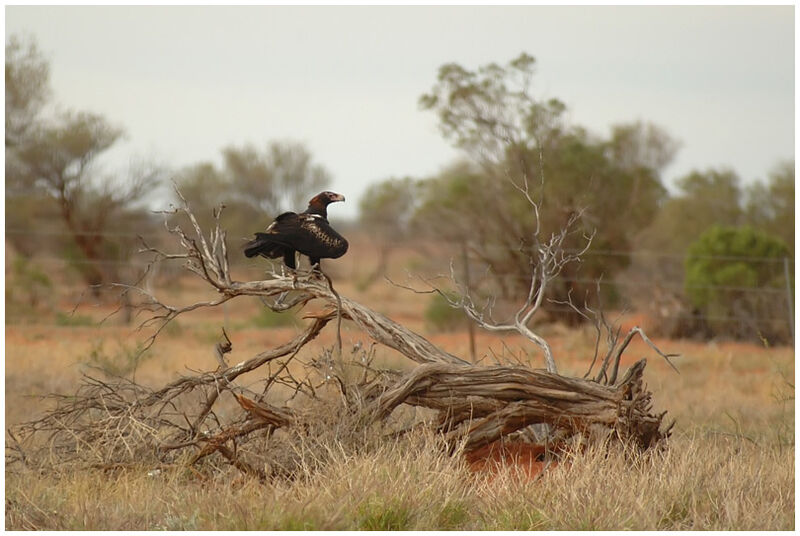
(185, 82)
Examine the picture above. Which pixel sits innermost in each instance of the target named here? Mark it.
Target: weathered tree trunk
(496, 401)
(475, 404)
(483, 402)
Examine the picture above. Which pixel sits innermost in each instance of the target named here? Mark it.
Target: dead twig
(116, 420)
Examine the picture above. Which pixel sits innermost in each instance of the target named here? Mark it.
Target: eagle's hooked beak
(337, 197)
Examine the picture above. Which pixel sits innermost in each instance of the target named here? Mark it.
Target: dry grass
(729, 465)
(702, 483)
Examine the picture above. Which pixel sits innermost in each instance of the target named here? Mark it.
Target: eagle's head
(320, 202)
(326, 198)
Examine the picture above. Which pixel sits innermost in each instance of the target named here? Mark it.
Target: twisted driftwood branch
(115, 420)
(381, 328)
(496, 401)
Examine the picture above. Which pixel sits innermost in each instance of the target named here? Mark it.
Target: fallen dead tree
(492, 402)
(115, 421)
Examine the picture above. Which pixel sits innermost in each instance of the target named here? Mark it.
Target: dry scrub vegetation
(728, 465)
(700, 482)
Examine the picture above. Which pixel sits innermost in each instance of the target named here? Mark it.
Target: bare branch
(546, 263)
(117, 420)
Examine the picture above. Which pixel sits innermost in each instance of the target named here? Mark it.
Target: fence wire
(625, 286)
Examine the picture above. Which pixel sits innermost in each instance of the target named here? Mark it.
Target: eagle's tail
(265, 245)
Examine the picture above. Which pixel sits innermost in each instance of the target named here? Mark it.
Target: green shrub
(376, 514)
(440, 316)
(121, 362)
(519, 517)
(453, 514)
(268, 318)
(173, 329)
(29, 290)
(72, 320)
(735, 278)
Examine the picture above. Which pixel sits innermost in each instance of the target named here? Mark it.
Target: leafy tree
(715, 196)
(52, 176)
(518, 142)
(490, 112)
(283, 177)
(254, 185)
(386, 209)
(463, 207)
(205, 187)
(27, 87)
(770, 206)
(736, 275)
(641, 146)
(57, 162)
(703, 199)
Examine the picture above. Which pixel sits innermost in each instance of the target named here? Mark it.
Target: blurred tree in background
(57, 163)
(386, 208)
(515, 141)
(61, 203)
(702, 200)
(705, 199)
(283, 177)
(54, 187)
(27, 87)
(770, 206)
(723, 267)
(254, 185)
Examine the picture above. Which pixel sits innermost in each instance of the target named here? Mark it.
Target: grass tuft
(377, 514)
(120, 362)
(441, 316)
(729, 466)
(72, 320)
(267, 318)
(698, 483)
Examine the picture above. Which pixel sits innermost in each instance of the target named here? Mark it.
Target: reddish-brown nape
(319, 203)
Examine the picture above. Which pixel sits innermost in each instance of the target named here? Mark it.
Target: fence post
(470, 323)
(789, 295)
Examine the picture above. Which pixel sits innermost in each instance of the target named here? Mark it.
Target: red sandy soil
(527, 460)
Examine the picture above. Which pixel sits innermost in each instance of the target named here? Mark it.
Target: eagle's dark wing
(318, 240)
(309, 234)
(275, 242)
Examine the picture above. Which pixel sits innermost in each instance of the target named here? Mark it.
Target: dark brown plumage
(308, 233)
